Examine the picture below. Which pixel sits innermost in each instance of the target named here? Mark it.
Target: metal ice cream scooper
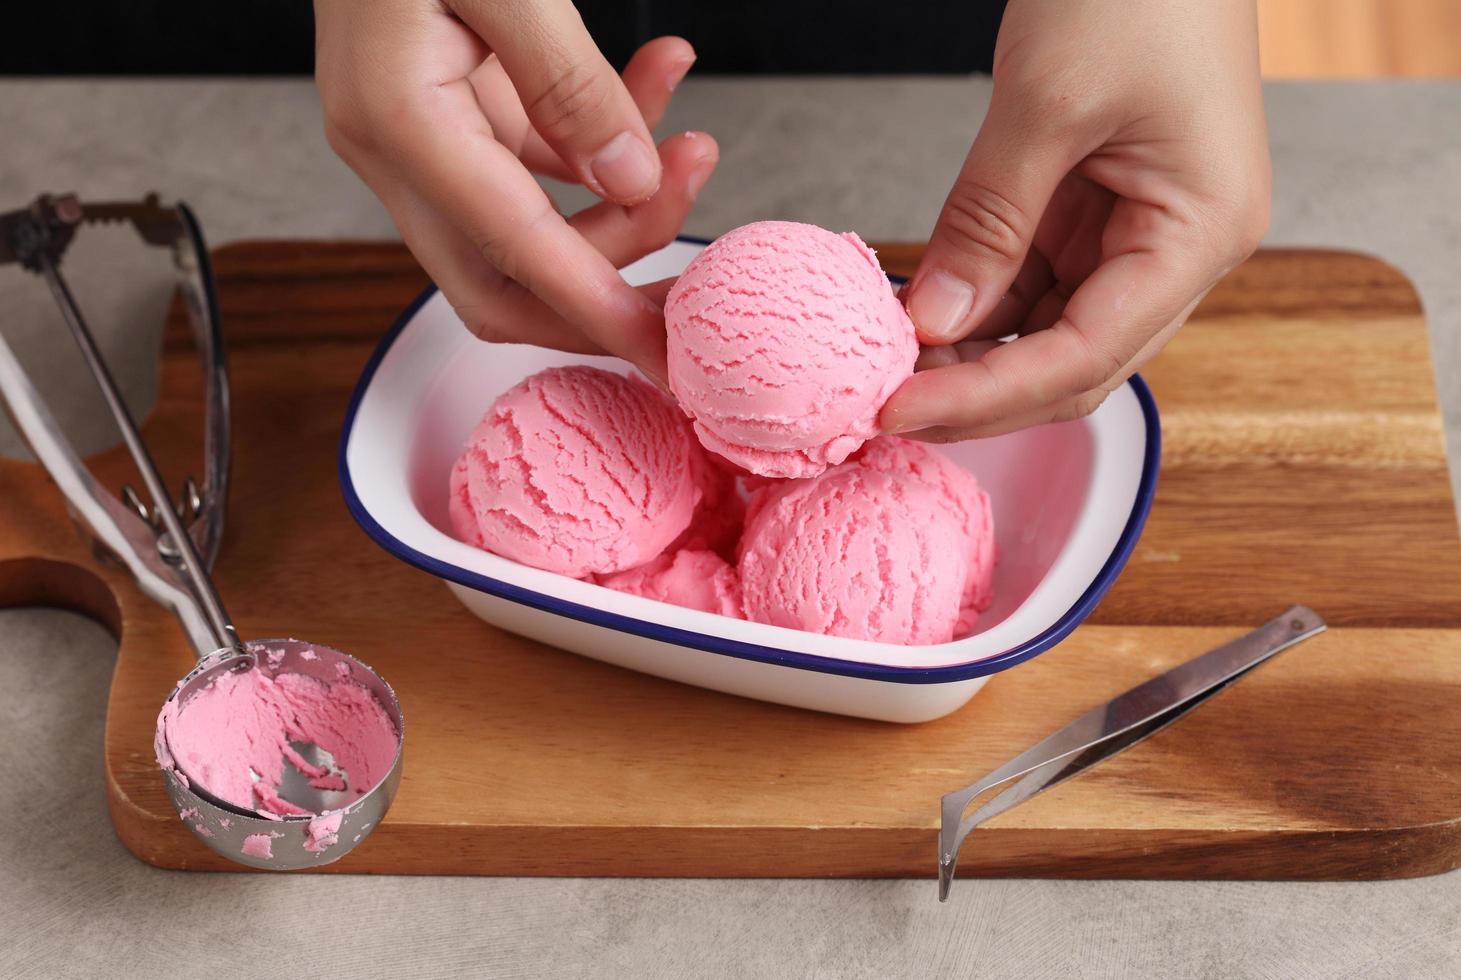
(169, 548)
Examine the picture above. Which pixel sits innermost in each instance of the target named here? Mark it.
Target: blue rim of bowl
(945, 674)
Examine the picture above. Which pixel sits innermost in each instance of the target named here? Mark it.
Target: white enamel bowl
(1069, 502)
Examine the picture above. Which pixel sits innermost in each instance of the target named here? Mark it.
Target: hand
(1121, 171)
(443, 109)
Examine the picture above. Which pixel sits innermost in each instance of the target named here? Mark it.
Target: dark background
(276, 37)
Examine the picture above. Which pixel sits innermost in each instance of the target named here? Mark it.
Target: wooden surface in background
(1303, 463)
(1359, 38)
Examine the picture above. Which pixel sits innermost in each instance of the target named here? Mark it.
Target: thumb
(573, 99)
(988, 221)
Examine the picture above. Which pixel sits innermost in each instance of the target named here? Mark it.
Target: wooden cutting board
(1303, 463)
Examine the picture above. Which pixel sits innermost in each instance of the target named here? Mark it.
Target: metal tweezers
(1115, 726)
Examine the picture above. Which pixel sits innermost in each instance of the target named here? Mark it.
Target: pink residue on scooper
(260, 845)
(245, 720)
(323, 831)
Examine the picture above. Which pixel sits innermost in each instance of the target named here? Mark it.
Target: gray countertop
(1370, 166)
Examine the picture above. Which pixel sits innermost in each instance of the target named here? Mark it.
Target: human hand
(1121, 171)
(446, 109)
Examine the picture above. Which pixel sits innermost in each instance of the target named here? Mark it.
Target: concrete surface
(1370, 166)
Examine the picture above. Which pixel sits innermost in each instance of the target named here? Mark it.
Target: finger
(1108, 321)
(1065, 410)
(1033, 281)
(653, 74)
(651, 77)
(658, 290)
(1066, 249)
(494, 307)
(947, 355)
(1071, 236)
(491, 306)
(463, 173)
(624, 234)
(510, 125)
(965, 352)
(989, 219)
(1046, 311)
(573, 98)
(932, 358)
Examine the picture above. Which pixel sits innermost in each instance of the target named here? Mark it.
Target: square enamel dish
(1069, 502)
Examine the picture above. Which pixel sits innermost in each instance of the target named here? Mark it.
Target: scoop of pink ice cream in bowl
(749, 531)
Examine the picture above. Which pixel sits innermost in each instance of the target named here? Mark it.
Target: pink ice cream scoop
(854, 552)
(718, 518)
(965, 501)
(578, 471)
(235, 736)
(695, 579)
(275, 751)
(784, 341)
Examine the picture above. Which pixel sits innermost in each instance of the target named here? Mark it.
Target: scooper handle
(120, 532)
(190, 563)
(164, 559)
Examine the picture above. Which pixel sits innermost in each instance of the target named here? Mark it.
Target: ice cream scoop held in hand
(784, 341)
(578, 471)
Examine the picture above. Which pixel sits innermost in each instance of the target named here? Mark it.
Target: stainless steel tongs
(1114, 727)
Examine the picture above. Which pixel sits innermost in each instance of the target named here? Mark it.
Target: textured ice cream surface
(965, 500)
(242, 723)
(696, 579)
(575, 470)
(784, 341)
(854, 552)
(721, 513)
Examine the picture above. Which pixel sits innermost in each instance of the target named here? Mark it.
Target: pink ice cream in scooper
(280, 748)
(247, 736)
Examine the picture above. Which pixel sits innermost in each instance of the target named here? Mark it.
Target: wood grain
(1303, 463)
(1359, 38)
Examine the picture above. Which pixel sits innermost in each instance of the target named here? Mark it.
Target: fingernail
(660, 381)
(895, 425)
(649, 309)
(939, 304)
(624, 168)
(696, 181)
(678, 73)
